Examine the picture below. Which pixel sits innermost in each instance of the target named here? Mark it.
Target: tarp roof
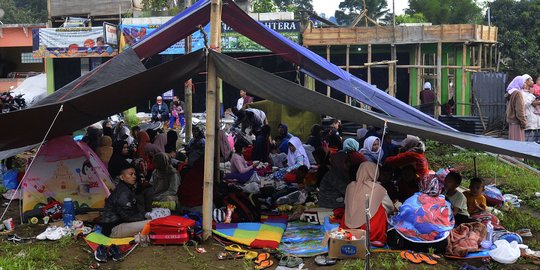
(93, 97)
(242, 75)
(312, 64)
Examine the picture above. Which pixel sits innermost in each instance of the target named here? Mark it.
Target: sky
(330, 6)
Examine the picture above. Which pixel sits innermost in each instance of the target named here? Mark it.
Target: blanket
(303, 239)
(254, 234)
(95, 239)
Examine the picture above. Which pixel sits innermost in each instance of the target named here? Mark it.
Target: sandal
(249, 255)
(264, 264)
(426, 258)
(263, 256)
(410, 256)
(323, 260)
(290, 261)
(229, 256)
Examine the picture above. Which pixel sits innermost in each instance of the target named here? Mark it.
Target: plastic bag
(506, 253)
(10, 179)
(494, 196)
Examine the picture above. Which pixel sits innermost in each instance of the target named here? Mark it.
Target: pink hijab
(355, 195)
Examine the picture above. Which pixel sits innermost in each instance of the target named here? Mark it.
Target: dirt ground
(77, 255)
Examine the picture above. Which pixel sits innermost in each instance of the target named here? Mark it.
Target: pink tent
(66, 168)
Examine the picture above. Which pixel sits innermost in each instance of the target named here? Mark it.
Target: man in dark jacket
(160, 110)
(122, 217)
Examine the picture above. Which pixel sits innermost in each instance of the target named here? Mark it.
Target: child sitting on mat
(476, 202)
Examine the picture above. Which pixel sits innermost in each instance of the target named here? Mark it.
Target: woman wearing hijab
(105, 150)
(285, 137)
(165, 179)
(315, 138)
(296, 157)
(160, 141)
(107, 128)
(142, 140)
(172, 138)
(515, 109)
(119, 155)
(261, 146)
(424, 220)
(355, 203)
(411, 153)
(352, 147)
(372, 149)
(334, 183)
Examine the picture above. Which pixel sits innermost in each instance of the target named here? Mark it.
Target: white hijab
(300, 151)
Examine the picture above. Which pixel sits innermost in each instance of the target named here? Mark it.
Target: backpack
(171, 230)
(247, 208)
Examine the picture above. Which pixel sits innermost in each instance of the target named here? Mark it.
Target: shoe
(101, 253)
(115, 253)
(58, 233)
(43, 235)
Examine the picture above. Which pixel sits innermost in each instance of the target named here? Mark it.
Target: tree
(518, 34)
(446, 11)
(24, 11)
(261, 6)
(294, 5)
(350, 9)
(408, 18)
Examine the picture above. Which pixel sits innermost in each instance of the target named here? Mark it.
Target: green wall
(460, 109)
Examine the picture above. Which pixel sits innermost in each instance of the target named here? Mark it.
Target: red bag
(171, 230)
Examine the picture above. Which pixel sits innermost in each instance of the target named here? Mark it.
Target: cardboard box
(347, 249)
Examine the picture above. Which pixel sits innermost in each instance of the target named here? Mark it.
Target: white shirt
(258, 113)
(240, 103)
(533, 119)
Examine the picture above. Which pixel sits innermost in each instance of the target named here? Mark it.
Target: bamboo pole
(391, 81)
(392, 67)
(211, 96)
(439, 81)
(479, 56)
(369, 61)
(188, 94)
(463, 79)
(419, 74)
(328, 59)
(347, 63)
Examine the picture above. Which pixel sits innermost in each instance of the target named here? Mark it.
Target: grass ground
(72, 254)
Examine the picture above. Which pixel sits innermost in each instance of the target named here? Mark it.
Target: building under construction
(400, 59)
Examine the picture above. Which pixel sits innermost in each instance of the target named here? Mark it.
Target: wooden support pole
(211, 96)
(347, 64)
(439, 81)
(391, 80)
(490, 56)
(485, 56)
(392, 67)
(369, 61)
(419, 74)
(463, 80)
(479, 56)
(188, 94)
(328, 59)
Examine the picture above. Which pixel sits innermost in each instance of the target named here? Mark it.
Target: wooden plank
(439, 80)
(369, 61)
(347, 63)
(419, 73)
(328, 58)
(479, 55)
(463, 79)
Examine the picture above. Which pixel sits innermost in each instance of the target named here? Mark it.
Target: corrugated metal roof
(91, 7)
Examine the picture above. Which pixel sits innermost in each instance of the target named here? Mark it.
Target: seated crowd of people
(420, 206)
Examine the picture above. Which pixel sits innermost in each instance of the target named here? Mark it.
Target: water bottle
(68, 212)
(488, 241)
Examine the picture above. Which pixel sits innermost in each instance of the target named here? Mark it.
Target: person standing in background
(243, 100)
(427, 99)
